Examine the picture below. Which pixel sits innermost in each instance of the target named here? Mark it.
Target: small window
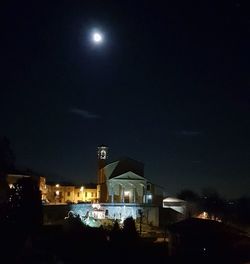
(92, 194)
(78, 194)
(86, 194)
(68, 193)
(139, 211)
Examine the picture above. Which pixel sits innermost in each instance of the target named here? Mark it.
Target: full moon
(97, 37)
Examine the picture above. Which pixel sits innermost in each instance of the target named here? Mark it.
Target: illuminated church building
(123, 181)
(122, 191)
(118, 182)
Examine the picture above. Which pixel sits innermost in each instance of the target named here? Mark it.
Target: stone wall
(56, 213)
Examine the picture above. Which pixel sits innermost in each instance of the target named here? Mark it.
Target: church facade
(123, 181)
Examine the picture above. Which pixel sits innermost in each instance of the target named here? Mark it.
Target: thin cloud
(189, 133)
(84, 113)
(196, 161)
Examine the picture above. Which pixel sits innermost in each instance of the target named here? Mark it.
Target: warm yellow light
(126, 193)
(57, 185)
(82, 188)
(205, 215)
(57, 193)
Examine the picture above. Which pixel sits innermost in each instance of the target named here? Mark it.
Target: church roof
(122, 166)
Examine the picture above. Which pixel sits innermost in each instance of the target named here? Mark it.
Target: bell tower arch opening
(102, 155)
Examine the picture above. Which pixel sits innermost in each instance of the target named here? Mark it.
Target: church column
(134, 198)
(143, 194)
(122, 194)
(112, 194)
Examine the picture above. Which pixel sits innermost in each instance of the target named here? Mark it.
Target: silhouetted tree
(72, 223)
(242, 211)
(212, 203)
(7, 161)
(7, 158)
(25, 206)
(129, 229)
(192, 199)
(116, 226)
(115, 233)
(188, 195)
(23, 216)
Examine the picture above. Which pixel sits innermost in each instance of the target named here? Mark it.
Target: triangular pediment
(128, 176)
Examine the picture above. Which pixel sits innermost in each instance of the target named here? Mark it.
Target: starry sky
(169, 86)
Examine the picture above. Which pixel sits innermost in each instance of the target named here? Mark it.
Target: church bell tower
(102, 155)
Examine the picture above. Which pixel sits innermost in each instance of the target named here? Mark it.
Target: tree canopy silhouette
(25, 206)
(7, 158)
(188, 195)
(7, 163)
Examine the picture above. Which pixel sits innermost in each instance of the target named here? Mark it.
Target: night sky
(169, 86)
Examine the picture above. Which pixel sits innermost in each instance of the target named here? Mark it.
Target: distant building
(58, 193)
(175, 204)
(69, 193)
